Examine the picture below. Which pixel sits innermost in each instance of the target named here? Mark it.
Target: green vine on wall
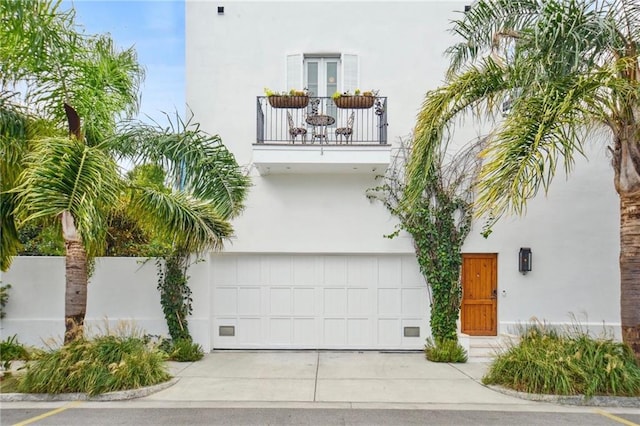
(439, 223)
(175, 294)
(438, 240)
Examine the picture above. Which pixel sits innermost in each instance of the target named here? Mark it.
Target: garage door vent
(412, 332)
(227, 330)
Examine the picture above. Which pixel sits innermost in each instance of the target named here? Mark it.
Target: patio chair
(346, 132)
(294, 131)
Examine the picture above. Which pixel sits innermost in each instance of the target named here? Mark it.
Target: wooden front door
(479, 311)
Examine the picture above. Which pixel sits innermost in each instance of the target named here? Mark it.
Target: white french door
(321, 75)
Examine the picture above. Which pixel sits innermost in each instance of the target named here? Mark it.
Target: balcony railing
(319, 120)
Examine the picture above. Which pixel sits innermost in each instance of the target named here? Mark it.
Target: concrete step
(483, 351)
(485, 348)
(480, 359)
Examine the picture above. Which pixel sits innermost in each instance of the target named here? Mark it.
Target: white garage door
(318, 301)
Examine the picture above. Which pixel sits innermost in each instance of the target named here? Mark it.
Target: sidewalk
(330, 377)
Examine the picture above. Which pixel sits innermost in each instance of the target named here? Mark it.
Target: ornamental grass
(548, 361)
(94, 366)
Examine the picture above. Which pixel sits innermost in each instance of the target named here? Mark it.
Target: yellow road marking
(48, 413)
(616, 418)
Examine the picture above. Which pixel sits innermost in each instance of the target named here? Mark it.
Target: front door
(479, 309)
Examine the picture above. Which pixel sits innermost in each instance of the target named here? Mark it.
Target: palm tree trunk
(630, 270)
(75, 295)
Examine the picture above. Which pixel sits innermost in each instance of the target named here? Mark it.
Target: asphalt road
(285, 416)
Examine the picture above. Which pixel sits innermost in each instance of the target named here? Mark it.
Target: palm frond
(13, 141)
(43, 49)
(66, 175)
(479, 86)
(32, 34)
(479, 26)
(626, 12)
(557, 34)
(188, 222)
(564, 65)
(17, 128)
(9, 237)
(195, 161)
(100, 82)
(545, 128)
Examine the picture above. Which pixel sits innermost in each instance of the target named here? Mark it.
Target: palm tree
(559, 68)
(192, 162)
(85, 85)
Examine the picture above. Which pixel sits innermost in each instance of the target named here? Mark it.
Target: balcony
(314, 135)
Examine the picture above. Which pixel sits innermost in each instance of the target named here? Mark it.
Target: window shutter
(294, 72)
(350, 72)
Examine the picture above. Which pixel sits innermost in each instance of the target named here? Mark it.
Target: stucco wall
(230, 59)
(573, 232)
(125, 289)
(121, 289)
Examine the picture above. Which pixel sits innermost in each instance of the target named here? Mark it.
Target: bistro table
(320, 123)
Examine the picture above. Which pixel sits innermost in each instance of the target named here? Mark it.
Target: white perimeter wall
(121, 289)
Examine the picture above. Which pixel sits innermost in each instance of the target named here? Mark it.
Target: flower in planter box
(292, 99)
(356, 92)
(358, 100)
(292, 92)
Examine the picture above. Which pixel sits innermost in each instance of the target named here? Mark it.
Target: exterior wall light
(524, 260)
(220, 10)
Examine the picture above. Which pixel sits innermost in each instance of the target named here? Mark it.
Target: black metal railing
(312, 120)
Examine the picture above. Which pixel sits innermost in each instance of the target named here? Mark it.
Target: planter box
(355, 102)
(288, 101)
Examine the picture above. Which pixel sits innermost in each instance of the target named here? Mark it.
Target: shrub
(11, 349)
(4, 298)
(163, 344)
(8, 383)
(550, 362)
(185, 350)
(103, 364)
(181, 350)
(444, 351)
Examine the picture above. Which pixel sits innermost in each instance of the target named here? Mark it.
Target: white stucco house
(310, 266)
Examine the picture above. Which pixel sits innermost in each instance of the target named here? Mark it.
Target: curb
(579, 400)
(109, 396)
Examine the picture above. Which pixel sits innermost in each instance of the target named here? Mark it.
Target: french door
(321, 75)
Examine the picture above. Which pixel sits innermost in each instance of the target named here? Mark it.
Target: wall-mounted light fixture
(220, 10)
(524, 260)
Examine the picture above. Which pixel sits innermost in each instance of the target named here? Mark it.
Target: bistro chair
(346, 132)
(294, 131)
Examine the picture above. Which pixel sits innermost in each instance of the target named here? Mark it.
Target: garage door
(275, 301)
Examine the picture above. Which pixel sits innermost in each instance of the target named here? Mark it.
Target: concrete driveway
(330, 377)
